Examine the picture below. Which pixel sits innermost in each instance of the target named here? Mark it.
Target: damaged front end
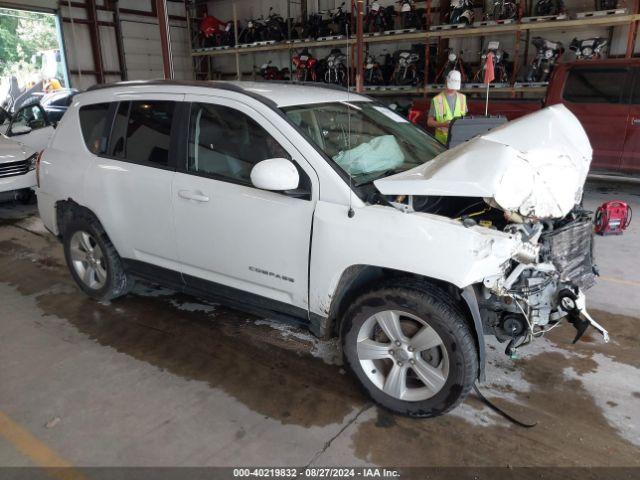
(525, 179)
(534, 294)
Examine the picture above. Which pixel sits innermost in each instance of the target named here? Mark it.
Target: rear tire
(431, 364)
(93, 261)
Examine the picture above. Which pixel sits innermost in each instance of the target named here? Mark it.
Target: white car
(17, 168)
(324, 206)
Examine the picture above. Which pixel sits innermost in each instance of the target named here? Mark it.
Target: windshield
(366, 140)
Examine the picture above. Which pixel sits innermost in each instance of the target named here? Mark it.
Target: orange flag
(489, 74)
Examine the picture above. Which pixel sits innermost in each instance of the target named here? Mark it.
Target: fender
(469, 295)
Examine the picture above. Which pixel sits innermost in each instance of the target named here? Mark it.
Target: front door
(599, 97)
(228, 232)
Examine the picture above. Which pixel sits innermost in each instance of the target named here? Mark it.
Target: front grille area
(570, 249)
(14, 168)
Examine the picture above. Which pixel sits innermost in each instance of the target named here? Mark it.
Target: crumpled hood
(535, 166)
(11, 151)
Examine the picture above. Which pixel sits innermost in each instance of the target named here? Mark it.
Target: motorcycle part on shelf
(499, 63)
(335, 68)
(503, 10)
(549, 7)
(410, 16)
(589, 48)
(454, 62)
(305, 65)
(612, 218)
(408, 67)
(268, 71)
(377, 69)
(547, 55)
(461, 11)
(379, 18)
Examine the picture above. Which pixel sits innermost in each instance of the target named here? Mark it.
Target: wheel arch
(357, 279)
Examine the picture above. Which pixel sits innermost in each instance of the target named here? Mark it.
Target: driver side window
(226, 143)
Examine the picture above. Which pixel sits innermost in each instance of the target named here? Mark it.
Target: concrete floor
(158, 378)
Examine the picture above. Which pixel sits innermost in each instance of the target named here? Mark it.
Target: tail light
(38, 159)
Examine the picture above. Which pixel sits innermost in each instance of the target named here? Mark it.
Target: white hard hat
(453, 80)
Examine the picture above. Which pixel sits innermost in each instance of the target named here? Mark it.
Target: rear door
(599, 97)
(631, 155)
(130, 187)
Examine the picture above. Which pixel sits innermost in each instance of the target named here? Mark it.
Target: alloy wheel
(88, 260)
(402, 355)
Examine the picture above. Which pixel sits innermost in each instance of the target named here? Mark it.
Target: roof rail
(185, 83)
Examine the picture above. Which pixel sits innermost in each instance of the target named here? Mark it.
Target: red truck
(603, 94)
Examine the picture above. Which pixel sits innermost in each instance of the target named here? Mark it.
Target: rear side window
(591, 85)
(93, 122)
(141, 132)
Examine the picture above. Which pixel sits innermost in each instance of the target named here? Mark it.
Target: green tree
(22, 35)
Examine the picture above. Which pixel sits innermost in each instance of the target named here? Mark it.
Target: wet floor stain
(276, 376)
(252, 363)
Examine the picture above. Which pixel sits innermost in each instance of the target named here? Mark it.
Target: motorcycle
(373, 74)
(336, 68)
(407, 68)
(253, 31)
(268, 71)
(461, 12)
(547, 55)
(212, 31)
(379, 19)
(549, 7)
(339, 20)
(305, 65)
(454, 62)
(315, 26)
(499, 63)
(503, 10)
(589, 48)
(410, 16)
(275, 27)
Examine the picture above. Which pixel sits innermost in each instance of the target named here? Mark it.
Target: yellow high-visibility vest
(443, 113)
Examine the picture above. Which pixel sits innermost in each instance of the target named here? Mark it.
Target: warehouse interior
(192, 385)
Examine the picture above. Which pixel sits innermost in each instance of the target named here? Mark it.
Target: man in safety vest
(446, 106)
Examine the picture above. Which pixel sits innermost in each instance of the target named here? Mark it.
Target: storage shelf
(391, 91)
(424, 35)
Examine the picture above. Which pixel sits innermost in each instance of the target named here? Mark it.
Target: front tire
(93, 261)
(411, 348)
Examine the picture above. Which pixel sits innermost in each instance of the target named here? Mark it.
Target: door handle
(189, 195)
(635, 121)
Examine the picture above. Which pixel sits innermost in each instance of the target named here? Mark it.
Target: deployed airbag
(377, 155)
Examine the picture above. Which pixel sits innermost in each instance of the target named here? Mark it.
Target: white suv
(324, 206)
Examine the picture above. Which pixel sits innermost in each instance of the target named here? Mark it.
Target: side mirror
(20, 130)
(276, 174)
